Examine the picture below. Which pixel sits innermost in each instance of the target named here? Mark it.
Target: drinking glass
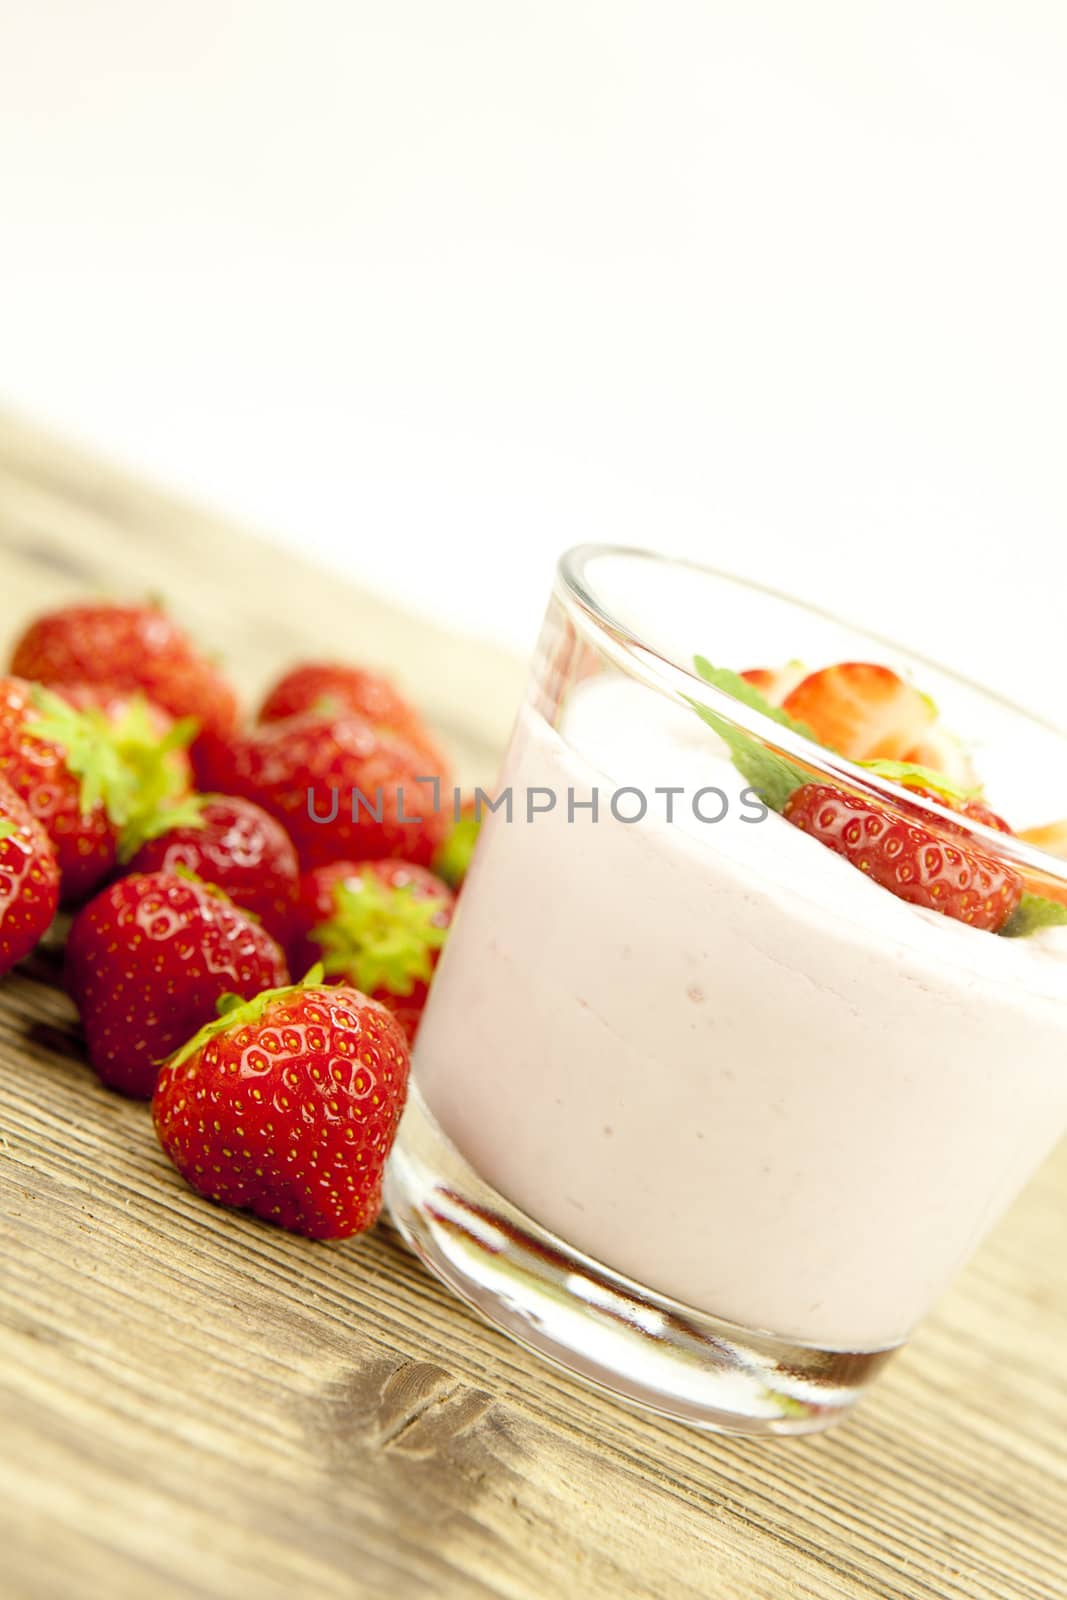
(699, 1111)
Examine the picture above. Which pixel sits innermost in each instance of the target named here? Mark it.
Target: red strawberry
(129, 647)
(453, 857)
(332, 687)
(29, 879)
(923, 861)
(378, 925)
(287, 1107)
(863, 711)
(147, 961)
(342, 791)
(85, 774)
(227, 841)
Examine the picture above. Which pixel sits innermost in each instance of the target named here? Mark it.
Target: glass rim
(672, 676)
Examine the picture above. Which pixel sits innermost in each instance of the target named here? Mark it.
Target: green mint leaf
(774, 777)
(910, 775)
(7, 828)
(739, 688)
(1032, 914)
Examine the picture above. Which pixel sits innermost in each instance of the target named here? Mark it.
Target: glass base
(637, 1345)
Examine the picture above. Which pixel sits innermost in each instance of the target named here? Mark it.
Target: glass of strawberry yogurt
(753, 1018)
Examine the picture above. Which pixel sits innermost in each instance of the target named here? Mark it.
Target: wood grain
(194, 1405)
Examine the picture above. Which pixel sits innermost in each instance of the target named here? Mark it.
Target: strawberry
(87, 773)
(287, 1106)
(774, 683)
(228, 841)
(922, 860)
(453, 856)
(378, 925)
(341, 790)
(147, 961)
(863, 711)
(332, 687)
(29, 879)
(129, 647)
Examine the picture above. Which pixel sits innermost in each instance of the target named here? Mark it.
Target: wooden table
(192, 1404)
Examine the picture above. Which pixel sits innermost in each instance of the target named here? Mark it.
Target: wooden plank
(194, 1405)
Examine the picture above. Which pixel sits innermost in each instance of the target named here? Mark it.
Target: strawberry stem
(153, 824)
(453, 857)
(381, 936)
(234, 1012)
(125, 765)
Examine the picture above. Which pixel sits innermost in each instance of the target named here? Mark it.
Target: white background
(433, 289)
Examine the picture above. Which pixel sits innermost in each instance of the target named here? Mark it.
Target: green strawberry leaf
(156, 780)
(124, 766)
(7, 828)
(453, 856)
(1032, 914)
(235, 1012)
(89, 751)
(381, 937)
(153, 824)
(774, 777)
